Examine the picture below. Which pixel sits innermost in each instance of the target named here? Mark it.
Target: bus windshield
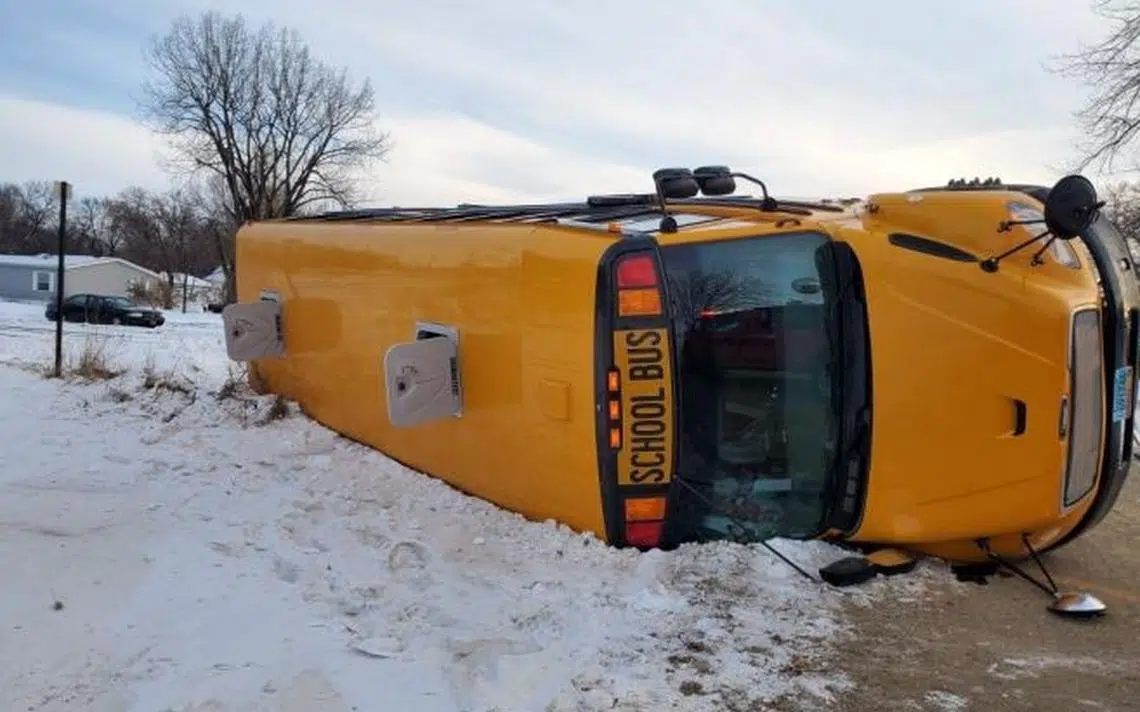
(757, 422)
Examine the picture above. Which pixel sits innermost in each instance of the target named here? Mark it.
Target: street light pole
(63, 190)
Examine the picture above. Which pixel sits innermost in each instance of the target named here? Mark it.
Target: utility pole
(63, 190)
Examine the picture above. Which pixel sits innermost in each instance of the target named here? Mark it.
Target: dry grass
(236, 384)
(237, 398)
(236, 395)
(238, 389)
(278, 410)
(166, 380)
(92, 363)
(153, 294)
(118, 395)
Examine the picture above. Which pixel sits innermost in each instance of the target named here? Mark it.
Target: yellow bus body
(970, 368)
(950, 346)
(523, 298)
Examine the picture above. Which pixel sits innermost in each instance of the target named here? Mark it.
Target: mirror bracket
(990, 264)
(1007, 225)
(1071, 207)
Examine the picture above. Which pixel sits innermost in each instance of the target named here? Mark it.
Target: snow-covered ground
(168, 545)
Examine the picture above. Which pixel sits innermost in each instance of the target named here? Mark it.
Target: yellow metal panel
(951, 347)
(522, 299)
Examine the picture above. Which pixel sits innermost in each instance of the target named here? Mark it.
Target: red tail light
(636, 271)
(639, 293)
(644, 534)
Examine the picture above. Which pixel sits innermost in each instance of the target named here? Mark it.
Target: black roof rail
(596, 209)
(715, 182)
(615, 199)
(812, 205)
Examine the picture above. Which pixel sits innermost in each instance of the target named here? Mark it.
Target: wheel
(117, 321)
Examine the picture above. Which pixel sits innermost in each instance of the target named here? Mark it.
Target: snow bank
(184, 548)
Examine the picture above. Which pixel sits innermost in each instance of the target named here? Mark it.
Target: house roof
(191, 280)
(104, 260)
(70, 262)
(46, 261)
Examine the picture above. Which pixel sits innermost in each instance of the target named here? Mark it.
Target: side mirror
(1071, 207)
(715, 180)
(675, 183)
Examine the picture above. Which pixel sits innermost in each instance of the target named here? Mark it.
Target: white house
(198, 289)
(32, 277)
(217, 277)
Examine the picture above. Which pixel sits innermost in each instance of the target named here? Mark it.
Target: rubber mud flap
(890, 562)
(978, 573)
(848, 571)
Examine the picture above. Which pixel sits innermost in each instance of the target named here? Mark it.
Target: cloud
(758, 87)
(447, 159)
(504, 100)
(98, 152)
(436, 158)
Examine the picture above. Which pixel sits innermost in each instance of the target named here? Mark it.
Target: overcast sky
(504, 100)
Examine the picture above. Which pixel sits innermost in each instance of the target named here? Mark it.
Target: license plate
(1121, 392)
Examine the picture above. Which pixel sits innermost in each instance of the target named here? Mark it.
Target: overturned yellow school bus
(691, 364)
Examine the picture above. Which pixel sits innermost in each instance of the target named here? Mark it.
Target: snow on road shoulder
(169, 550)
(192, 344)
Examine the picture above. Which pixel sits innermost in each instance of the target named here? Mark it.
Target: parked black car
(98, 309)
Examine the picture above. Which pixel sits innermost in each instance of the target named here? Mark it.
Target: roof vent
(963, 184)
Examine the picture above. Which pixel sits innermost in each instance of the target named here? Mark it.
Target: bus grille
(1086, 386)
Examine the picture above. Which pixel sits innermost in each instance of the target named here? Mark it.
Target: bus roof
(625, 213)
(610, 213)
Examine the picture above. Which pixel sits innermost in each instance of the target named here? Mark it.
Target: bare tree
(27, 217)
(181, 229)
(89, 228)
(1111, 69)
(221, 226)
(1122, 207)
(275, 128)
(12, 228)
(130, 218)
(170, 233)
(40, 206)
(696, 292)
(254, 107)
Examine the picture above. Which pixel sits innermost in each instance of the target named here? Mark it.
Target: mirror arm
(990, 264)
(1007, 225)
(1037, 261)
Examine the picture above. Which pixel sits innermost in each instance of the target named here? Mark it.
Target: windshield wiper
(837, 352)
(851, 418)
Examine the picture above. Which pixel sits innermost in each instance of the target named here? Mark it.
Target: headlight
(1064, 254)
(1086, 402)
